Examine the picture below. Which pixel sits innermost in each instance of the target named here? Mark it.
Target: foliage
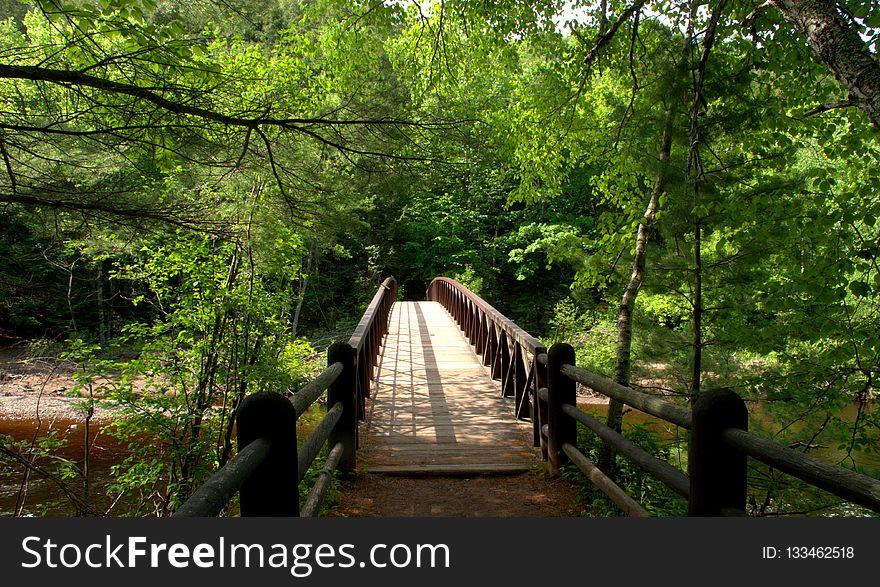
(213, 185)
(592, 333)
(652, 494)
(218, 333)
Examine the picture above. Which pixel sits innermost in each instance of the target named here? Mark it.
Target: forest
(197, 198)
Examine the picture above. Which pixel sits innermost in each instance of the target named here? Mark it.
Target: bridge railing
(269, 466)
(367, 337)
(544, 386)
(718, 446)
(507, 350)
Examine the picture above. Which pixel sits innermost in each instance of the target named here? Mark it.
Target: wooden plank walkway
(434, 409)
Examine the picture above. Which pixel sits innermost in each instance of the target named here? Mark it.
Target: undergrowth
(658, 499)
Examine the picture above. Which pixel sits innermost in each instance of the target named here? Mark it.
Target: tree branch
(825, 107)
(606, 37)
(76, 78)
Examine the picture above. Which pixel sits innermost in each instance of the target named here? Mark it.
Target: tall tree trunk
(69, 270)
(623, 365)
(697, 354)
(697, 177)
(838, 44)
(303, 283)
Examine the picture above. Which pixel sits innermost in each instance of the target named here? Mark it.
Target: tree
(102, 96)
(838, 44)
(735, 132)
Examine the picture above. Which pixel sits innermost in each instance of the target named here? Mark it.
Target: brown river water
(43, 497)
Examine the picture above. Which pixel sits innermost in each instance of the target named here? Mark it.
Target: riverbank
(39, 387)
(35, 385)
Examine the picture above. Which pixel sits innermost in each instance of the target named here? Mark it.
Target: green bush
(652, 494)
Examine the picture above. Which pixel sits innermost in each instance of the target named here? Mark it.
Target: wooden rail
(510, 353)
(269, 466)
(367, 338)
(719, 445)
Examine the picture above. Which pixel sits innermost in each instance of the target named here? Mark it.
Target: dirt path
(525, 495)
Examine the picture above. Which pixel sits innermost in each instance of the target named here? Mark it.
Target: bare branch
(74, 499)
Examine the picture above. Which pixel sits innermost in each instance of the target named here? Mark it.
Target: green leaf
(873, 20)
(860, 289)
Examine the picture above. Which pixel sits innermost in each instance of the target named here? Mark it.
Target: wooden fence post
(539, 406)
(718, 473)
(506, 379)
(560, 390)
(273, 489)
(344, 390)
(519, 383)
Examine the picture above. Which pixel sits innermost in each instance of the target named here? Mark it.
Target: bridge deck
(434, 409)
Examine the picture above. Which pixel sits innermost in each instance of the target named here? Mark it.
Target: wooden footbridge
(450, 386)
(434, 408)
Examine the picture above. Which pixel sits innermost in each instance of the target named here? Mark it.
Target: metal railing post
(272, 490)
(560, 391)
(344, 391)
(718, 472)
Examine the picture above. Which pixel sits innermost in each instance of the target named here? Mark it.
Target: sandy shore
(33, 386)
(26, 399)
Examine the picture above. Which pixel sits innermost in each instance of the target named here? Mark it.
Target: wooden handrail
(312, 390)
(842, 482)
(210, 499)
(378, 308)
(529, 342)
(661, 470)
(367, 338)
(650, 404)
(269, 467)
(510, 352)
(717, 451)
